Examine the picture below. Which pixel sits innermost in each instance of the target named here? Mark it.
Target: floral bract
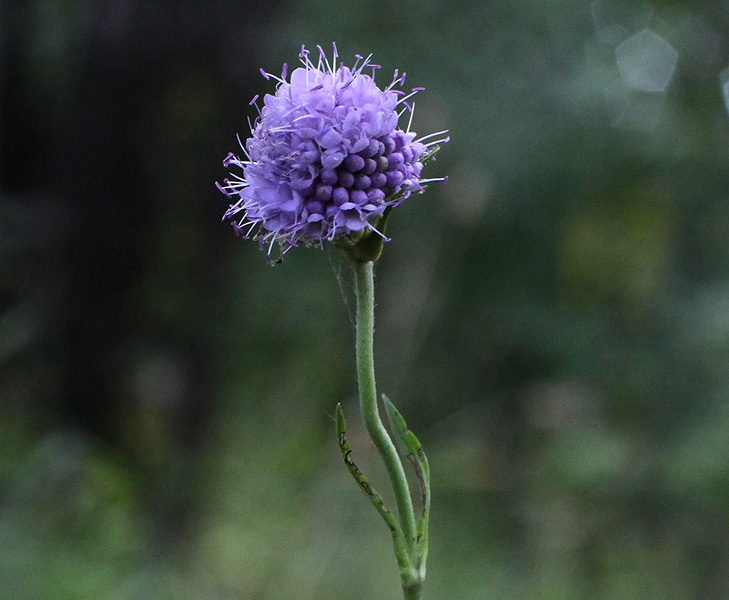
(325, 157)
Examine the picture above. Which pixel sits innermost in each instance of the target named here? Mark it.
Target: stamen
(410, 95)
(378, 232)
(443, 141)
(242, 146)
(394, 82)
(430, 135)
(410, 120)
(271, 76)
(250, 230)
(221, 188)
(323, 57)
(363, 65)
(304, 59)
(241, 181)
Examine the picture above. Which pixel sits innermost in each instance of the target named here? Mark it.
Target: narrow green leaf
(410, 447)
(358, 476)
(402, 555)
(407, 444)
(405, 439)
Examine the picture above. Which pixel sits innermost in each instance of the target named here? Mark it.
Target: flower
(325, 158)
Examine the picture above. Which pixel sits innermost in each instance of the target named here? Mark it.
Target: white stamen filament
(430, 135)
(410, 120)
(443, 141)
(410, 95)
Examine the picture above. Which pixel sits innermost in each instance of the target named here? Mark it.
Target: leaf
(398, 539)
(410, 447)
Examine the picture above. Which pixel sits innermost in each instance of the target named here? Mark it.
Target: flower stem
(413, 591)
(364, 278)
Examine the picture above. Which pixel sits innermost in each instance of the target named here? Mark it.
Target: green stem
(363, 274)
(414, 591)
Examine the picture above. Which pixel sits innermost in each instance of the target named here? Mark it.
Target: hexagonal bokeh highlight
(646, 62)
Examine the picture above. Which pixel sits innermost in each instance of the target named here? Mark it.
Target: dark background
(553, 321)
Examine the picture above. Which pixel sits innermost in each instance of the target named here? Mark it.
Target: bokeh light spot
(616, 20)
(646, 61)
(724, 82)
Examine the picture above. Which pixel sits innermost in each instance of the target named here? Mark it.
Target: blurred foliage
(553, 322)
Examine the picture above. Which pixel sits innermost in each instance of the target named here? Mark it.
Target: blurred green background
(553, 321)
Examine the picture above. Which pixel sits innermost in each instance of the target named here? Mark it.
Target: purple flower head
(326, 157)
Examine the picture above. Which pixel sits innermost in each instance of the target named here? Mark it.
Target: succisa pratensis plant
(326, 162)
